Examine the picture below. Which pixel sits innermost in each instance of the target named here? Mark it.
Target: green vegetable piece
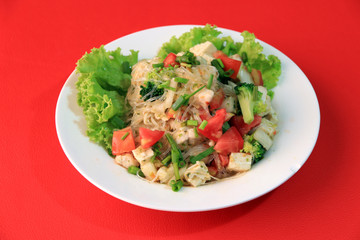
(246, 94)
(176, 185)
(225, 127)
(203, 125)
(210, 81)
(176, 159)
(184, 99)
(220, 62)
(134, 170)
(178, 103)
(202, 155)
(191, 122)
(253, 147)
(151, 91)
(181, 80)
(158, 65)
(125, 136)
(196, 132)
(166, 161)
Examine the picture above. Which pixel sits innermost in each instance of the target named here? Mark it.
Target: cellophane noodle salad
(198, 112)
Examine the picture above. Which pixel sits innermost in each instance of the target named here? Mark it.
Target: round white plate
(295, 101)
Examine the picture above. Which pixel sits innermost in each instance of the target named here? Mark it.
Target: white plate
(295, 101)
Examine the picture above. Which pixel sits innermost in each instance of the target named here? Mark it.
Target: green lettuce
(252, 56)
(249, 50)
(104, 78)
(198, 35)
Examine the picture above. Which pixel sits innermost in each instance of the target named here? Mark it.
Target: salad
(198, 112)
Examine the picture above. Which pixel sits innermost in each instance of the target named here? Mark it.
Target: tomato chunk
(170, 60)
(224, 159)
(213, 128)
(230, 142)
(149, 137)
(241, 126)
(217, 100)
(229, 63)
(119, 145)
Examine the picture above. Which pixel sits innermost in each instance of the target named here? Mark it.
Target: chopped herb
(158, 65)
(225, 127)
(184, 99)
(202, 155)
(191, 122)
(210, 81)
(196, 133)
(134, 170)
(166, 161)
(203, 125)
(220, 63)
(125, 136)
(181, 80)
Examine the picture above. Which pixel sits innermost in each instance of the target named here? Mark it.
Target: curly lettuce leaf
(251, 53)
(104, 78)
(198, 35)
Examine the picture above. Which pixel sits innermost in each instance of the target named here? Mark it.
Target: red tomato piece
(257, 77)
(149, 137)
(229, 63)
(170, 60)
(120, 146)
(241, 126)
(212, 170)
(217, 100)
(213, 128)
(224, 159)
(230, 142)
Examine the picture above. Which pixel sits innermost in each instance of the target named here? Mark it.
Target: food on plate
(197, 112)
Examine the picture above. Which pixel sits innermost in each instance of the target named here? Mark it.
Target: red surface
(44, 197)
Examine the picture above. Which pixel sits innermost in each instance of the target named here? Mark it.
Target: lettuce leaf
(249, 50)
(198, 35)
(104, 78)
(270, 67)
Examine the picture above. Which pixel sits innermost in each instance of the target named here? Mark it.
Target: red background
(44, 197)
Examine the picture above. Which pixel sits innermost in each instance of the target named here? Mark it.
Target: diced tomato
(120, 146)
(229, 63)
(257, 77)
(170, 60)
(213, 128)
(224, 159)
(217, 100)
(212, 170)
(149, 137)
(230, 141)
(241, 126)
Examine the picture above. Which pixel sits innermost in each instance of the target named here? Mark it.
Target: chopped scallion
(203, 125)
(170, 88)
(202, 155)
(158, 65)
(125, 136)
(220, 62)
(191, 122)
(210, 81)
(134, 170)
(196, 133)
(181, 80)
(166, 160)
